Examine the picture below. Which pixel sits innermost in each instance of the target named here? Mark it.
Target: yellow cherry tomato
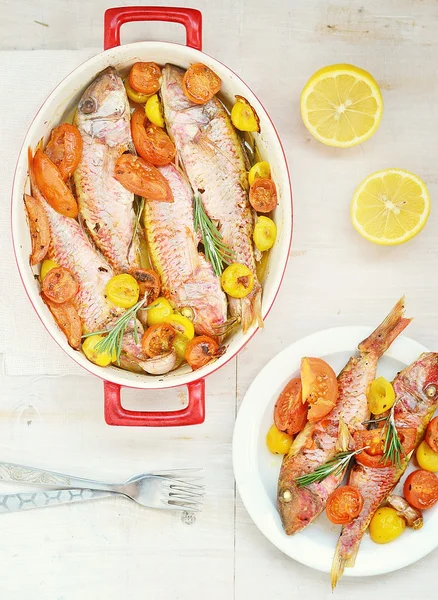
(380, 395)
(237, 280)
(243, 116)
(153, 111)
(122, 290)
(180, 344)
(181, 324)
(135, 96)
(46, 266)
(259, 170)
(103, 359)
(158, 311)
(386, 525)
(278, 442)
(427, 458)
(265, 233)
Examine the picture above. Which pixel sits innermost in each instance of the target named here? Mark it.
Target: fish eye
(430, 391)
(87, 106)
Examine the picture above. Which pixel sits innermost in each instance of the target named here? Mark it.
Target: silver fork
(163, 489)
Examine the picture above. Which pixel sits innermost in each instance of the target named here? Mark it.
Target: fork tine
(186, 505)
(181, 507)
(177, 472)
(181, 498)
(182, 489)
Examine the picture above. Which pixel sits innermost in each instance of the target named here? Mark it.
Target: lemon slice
(390, 207)
(341, 105)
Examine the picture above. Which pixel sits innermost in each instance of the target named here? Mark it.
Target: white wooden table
(112, 548)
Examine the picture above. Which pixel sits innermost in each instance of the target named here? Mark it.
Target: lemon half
(390, 207)
(341, 105)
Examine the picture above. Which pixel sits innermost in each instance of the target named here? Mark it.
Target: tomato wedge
(60, 285)
(320, 387)
(263, 195)
(421, 489)
(200, 350)
(151, 142)
(200, 83)
(138, 176)
(39, 229)
(52, 186)
(148, 282)
(374, 438)
(144, 77)
(65, 149)
(158, 339)
(68, 320)
(432, 434)
(344, 505)
(290, 414)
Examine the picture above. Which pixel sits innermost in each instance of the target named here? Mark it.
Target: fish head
(420, 380)
(103, 111)
(180, 113)
(300, 506)
(172, 90)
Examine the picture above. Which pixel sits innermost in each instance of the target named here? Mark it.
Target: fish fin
(342, 560)
(301, 439)
(382, 337)
(251, 310)
(344, 437)
(338, 565)
(210, 147)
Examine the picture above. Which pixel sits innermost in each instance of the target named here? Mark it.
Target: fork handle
(21, 474)
(28, 501)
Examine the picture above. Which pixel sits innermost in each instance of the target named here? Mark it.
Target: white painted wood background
(114, 549)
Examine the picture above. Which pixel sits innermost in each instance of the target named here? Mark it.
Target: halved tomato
(65, 149)
(151, 142)
(421, 489)
(201, 350)
(344, 505)
(375, 439)
(144, 77)
(51, 185)
(138, 176)
(319, 387)
(39, 229)
(200, 83)
(290, 414)
(68, 320)
(263, 195)
(432, 434)
(60, 285)
(158, 339)
(148, 283)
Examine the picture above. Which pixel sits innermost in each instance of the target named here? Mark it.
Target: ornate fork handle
(27, 501)
(21, 474)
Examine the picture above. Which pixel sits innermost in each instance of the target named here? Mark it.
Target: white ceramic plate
(256, 469)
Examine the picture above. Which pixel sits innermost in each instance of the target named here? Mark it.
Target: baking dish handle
(116, 17)
(193, 414)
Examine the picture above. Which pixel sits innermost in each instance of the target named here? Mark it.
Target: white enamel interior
(60, 104)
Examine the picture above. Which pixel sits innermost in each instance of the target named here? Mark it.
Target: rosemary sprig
(392, 446)
(216, 252)
(334, 466)
(112, 342)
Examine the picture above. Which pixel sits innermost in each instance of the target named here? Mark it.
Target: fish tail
(251, 310)
(342, 559)
(382, 337)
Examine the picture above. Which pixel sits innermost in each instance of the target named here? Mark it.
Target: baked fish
(318, 442)
(216, 166)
